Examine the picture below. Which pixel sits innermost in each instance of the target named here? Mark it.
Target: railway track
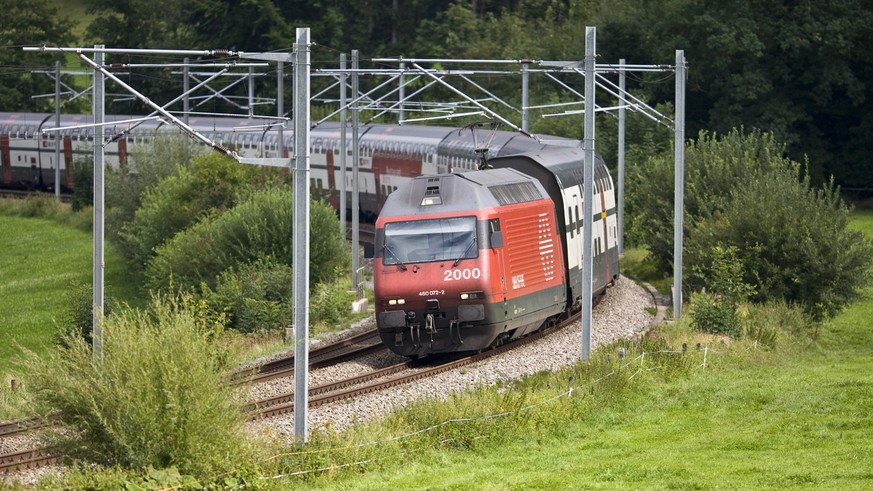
(27, 459)
(22, 425)
(319, 395)
(336, 352)
(387, 377)
(22, 193)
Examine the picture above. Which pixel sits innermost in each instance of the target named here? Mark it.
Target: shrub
(766, 323)
(257, 228)
(213, 183)
(793, 242)
(714, 167)
(148, 165)
(157, 398)
(330, 304)
(709, 313)
(740, 192)
(256, 297)
(78, 318)
(83, 183)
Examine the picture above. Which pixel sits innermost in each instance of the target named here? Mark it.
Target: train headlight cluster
(397, 301)
(472, 295)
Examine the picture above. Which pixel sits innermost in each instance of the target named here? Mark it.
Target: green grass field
(800, 417)
(41, 259)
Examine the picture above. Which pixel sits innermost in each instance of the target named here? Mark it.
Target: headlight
(472, 295)
(397, 301)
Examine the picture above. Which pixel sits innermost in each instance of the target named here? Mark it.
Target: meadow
(795, 416)
(42, 260)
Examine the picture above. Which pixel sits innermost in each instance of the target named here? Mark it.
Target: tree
(29, 24)
(802, 71)
(744, 197)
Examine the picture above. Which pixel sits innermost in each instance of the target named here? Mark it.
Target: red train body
(468, 260)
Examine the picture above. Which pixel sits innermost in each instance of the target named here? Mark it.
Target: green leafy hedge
(258, 228)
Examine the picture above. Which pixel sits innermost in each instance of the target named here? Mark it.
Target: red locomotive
(469, 260)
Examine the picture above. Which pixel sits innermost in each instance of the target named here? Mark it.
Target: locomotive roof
(460, 192)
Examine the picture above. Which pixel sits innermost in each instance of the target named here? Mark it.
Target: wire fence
(641, 359)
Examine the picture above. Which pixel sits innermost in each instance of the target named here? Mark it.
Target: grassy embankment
(41, 260)
(795, 417)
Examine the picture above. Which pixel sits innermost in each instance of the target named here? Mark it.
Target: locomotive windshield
(440, 239)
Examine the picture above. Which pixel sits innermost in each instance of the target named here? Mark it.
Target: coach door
(573, 223)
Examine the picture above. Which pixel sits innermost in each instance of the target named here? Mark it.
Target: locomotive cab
(464, 261)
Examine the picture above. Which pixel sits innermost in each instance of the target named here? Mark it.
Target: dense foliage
(28, 24)
(800, 71)
(209, 184)
(743, 200)
(259, 227)
(157, 399)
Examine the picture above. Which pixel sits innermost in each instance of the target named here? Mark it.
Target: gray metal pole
(98, 108)
(186, 87)
(588, 192)
(621, 132)
(402, 94)
(356, 162)
(280, 106)
(58, 135)
(251, 91)
(344, 147)
(525, 89)
(679, 192)
(301, 233)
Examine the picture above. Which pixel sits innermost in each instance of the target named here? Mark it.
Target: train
(474, 245)
(472, 259)
(390, 155)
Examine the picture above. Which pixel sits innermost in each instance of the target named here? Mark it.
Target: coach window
(570, 224)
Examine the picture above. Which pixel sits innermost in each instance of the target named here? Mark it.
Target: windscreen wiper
(472, 242)
(399, 262)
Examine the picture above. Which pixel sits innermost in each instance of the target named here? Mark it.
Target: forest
(800, 70)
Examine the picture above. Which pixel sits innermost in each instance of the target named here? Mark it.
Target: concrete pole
(58, 135)
(186, 87)
(402, 95)
(99, 110)
(301, 234)
(344, 146)
(356, 162)
(525, 93)
(622, 80)
(251, 92)
(588, 192)
(280, 106)
(679, 192)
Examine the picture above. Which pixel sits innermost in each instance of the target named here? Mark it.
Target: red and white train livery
(465, 261)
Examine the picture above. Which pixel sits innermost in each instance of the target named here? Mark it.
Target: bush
(793, 242)
(256, 297)
(148, 165)
(710, 314)
(213, 184)
(330, 304)
(157, 399)
(78, 318)
(257, 228)
(741, 193)
(766, 323)
(714, 167)
(83, 183)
